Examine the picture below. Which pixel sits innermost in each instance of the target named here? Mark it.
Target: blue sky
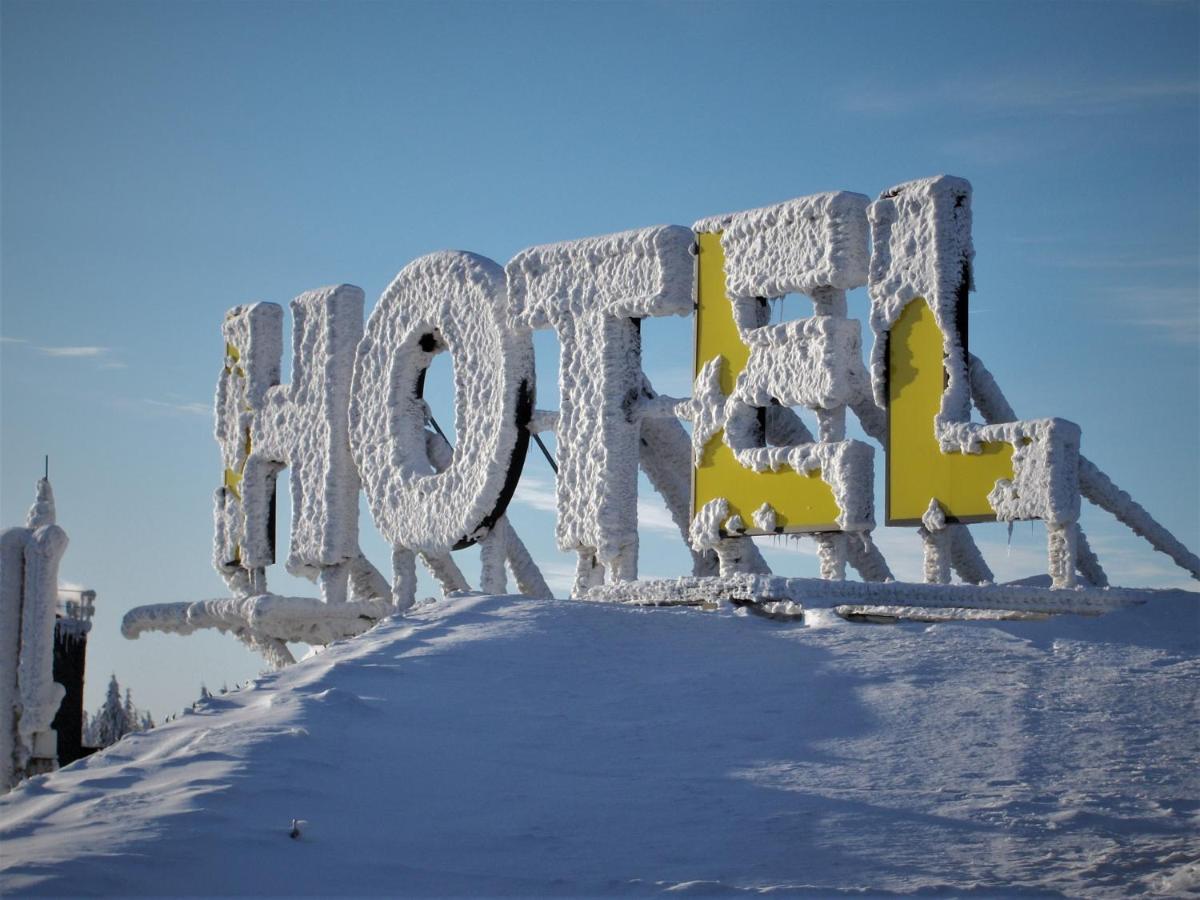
(162, 162)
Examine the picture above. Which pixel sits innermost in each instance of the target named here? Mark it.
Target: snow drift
(500, 745)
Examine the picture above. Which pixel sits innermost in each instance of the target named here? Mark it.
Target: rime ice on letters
(592, 292)
(454, 302)
(355, 417)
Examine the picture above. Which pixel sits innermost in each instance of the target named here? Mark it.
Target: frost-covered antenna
(46, 475)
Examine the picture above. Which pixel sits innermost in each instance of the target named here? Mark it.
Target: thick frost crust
(811, 362)
(591, 292)
(1045, 483)
(444, 301)
(263, 427)
(922, 250)
(304, 425)
(817, 246)
(713, 530)
(921, 247)
(266, 616)
(1093, 483)
(12, 577)
(846, 466)
(253, 351)
(819, 592)
(29, 696)
(794, 247)
(524, 570)
(628, 275)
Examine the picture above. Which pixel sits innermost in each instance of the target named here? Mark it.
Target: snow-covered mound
(501, 745)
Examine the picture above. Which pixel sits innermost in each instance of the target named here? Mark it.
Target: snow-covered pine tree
(111, 722)
(115, 719)
(131, 713)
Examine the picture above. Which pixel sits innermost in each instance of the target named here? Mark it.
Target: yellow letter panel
(917, 469)
(801, 502)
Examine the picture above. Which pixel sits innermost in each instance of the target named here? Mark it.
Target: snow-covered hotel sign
(354, 420)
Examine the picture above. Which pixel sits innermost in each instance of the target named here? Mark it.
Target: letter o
(451, 301)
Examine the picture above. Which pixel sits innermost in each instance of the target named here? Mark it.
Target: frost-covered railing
(354, 420)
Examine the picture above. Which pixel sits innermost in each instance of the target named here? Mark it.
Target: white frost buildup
(261, 428)
(12, 594)
(266, 622)
(1093, 483)
(814, 592)
(305, 426)
(528, 576)
(764, 518)
(1045, 482)
(794, 247)
(817, 246)
(253, 352)
(591, 292)
(922, 249)
(444, 301)
(666, 460)
(29, 696)
(710, 530)
(707, 408)
(809, 362)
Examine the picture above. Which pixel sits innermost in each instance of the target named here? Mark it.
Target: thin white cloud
(101, 355)
(654, 517)
(1028, 94)
(194, 408)
(74, 351)
(1130, 261)
(536, 494)
(1171, 313)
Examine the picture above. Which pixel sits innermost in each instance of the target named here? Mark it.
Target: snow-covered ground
(501, 745)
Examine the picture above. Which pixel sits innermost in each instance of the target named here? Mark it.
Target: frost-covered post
(29, 696)
(455, 302)
(593, 292)
(937, 541)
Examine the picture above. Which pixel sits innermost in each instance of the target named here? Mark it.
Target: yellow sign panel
(801, 502)
(917, 469)
(233, 480)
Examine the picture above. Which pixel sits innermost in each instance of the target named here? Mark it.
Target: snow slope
(501, 745)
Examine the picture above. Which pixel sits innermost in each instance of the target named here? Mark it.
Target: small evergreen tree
(115, 718)
(111, 722)
(131, 714)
